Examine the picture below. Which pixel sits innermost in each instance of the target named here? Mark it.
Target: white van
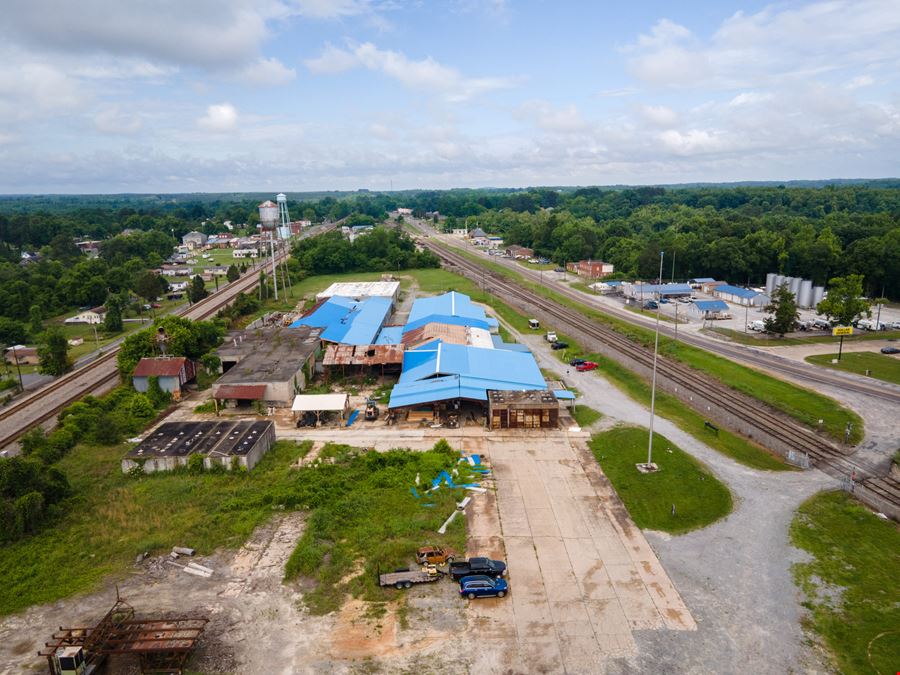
(758, 326)
(534, 324)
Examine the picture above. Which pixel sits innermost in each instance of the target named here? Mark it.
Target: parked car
(890, 350)
(156, 305)
(560, 270)
(821, 324)
(559, 345)
(587, 365)
(896, 325)
(686, 301)
(434, 555)
(651, 304)
(550, 336)
(757, 325)
(576, 362)
(481, 586)
(664, 301)
(477, 566)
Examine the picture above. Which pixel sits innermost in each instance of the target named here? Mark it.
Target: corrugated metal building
(450, 308)
(348, 321)
(741, 296)
(709, 309)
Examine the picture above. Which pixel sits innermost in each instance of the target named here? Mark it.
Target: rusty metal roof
(362, 355)
(164, 367)
(449, 333)
(242, 392)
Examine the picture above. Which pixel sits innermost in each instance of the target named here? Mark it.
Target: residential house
(24, 356)
(519, 252)
(93, 316)
(194, 240)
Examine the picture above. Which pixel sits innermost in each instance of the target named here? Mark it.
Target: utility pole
(649, 467)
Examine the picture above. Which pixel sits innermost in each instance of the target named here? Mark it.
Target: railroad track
(755, 414)
(44, 404)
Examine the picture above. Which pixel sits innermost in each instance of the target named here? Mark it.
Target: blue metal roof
(511, 346)
(564, 394)
(667, 289)
(445, 371)
(448, 304)
(710, 305)
(702, 280)
(736, 290)
(612, 283)
(390, 335)
(348, 321)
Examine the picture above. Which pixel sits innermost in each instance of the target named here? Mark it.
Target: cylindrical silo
(268, 214)
(795, 285)
(770, 282)
(779, 280)
(805, 296)
(818, 292)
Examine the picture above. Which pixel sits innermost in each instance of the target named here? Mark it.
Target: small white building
(245, 253)
(358, 290)
(404, 211)
(459, 231)
(93, 316)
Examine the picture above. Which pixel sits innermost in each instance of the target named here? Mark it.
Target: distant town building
(245, 253)
(519, 252)
(92, 316)
(404, 212)
(740, 296)
(478, 237)
(24, 356)
(592, 269)
(89, 247)
(175, 270)
(194, 240)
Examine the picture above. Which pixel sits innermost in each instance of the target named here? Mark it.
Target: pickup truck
(550, 336)
(483, 566)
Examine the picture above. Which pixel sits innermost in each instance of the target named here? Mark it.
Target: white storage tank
(818, 293)
(770, 282)
(268, 214)
(779, 280)
(805, 295)
(795, 285)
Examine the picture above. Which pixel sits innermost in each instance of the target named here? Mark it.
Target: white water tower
(284, 230)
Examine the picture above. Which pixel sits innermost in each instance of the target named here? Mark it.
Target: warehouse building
(741, 296)
(450, 308)
(535, 409)
(641, 291)
(348, 321)
(359, 290)
(709, 309)
(173, 373)
(270, 365)
(229, 444)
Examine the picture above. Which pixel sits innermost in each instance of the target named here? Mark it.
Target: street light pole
(648, 467)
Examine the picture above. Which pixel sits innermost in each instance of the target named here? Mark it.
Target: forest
(734, 233)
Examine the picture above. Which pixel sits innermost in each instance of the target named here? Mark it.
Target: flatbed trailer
(406, 578)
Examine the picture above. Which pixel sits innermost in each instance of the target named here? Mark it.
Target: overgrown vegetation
(851, 582)
(681, 496)
(184, 337)
(364, 518)
(382, 249)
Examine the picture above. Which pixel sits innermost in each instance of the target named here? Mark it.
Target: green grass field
(698, 496)
(802, 404)
(766, 340)
(880, 366)
(851, 583)
(585, 416)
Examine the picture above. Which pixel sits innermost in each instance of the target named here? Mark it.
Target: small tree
(233, 274)
(36, 320)
(53, 353)
(845, 302)
(783, 308)
(263, 286)
(112, 322)
(197, 290)
(148, 285)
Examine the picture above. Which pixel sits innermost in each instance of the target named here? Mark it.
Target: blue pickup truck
(481, 586)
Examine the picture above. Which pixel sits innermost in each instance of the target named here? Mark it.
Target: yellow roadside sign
(842, 330)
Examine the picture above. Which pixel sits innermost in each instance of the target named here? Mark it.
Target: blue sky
(294, 95)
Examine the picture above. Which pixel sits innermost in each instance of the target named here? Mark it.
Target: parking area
(582, 575)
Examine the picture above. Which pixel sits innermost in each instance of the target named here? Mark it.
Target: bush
(195, 464)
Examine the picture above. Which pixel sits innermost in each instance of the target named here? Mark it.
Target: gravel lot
(734, 576)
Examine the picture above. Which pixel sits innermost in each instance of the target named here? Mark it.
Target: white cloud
(30, 90)
(554, 119)
(330, 9)
(265, 72)
(776, 44)
(219, 118)
(331, 61)
(860, 81)
(659, 115)
(425, 74)
(114, 120)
